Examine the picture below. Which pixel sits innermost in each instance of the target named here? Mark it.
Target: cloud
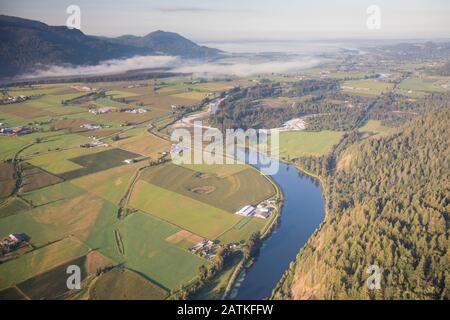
(105, 67)
(243, 69)
(236, 67)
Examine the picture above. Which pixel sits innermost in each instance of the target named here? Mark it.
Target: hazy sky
(241, 19)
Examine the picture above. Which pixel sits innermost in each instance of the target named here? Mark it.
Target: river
(302, 213)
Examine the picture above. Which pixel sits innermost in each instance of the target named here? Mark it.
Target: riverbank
(301, 213)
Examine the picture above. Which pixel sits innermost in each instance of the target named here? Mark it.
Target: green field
(69, 204)
(57, 142)
(51, 284)
(53, 193)
(123, 284)
(366, 87)
(187, 213)
(58, 162)
(296, 144)
(242, 231)
(37, 261)
(230, 192)
(373, 127)
(109, 184)
(417, 87)
(99, 161)
(148, 252)
(36, 178)
(10, 146)
(12, 206)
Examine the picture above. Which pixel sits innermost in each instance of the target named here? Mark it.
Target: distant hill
(168, 43)
(26, 45)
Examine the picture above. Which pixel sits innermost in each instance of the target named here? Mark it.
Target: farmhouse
(204, 245)
(94, 143)
(246, 211)
(101, 110)
(91, 126)
(16, 237)
(136, 111)
(16, 99)
(11, 243)
(15, 130)
(262, 213)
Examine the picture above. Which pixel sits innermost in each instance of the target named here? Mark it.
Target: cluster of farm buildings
(105, 110)
(205, 248)
(16, 99)
(262, 210)
(15, 131)
(11, 243)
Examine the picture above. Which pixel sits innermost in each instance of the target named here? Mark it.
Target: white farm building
(246, 211)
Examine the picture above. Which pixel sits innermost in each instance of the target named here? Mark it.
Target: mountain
(390, 208)
(168, 43)
(26, 45)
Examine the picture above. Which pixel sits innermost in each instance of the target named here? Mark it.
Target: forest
(389, 208)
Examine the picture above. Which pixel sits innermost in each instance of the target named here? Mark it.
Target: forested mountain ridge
(169, 43)
(391, 209)
(27, 45)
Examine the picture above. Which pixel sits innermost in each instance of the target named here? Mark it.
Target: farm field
(420, 86)
(51, 194)
(91, 163)
(58, 161)
(12, 206)
(144, 144)
(51, 284)
(296, 144)
(56, 142)
(120, 284)
(147, 251)
(36, 178)
(41, 260)
(7, 180)
(10, 146)
(185, 212)
(366, 87)
(79, 205)
(230, 192)
(242, 230)
(373, 127)
(109, 184)
(76, 216)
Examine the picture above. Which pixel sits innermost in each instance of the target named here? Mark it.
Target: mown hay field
(230, 192)
(40, 260)
(124, 284)
(95, 162)
(144, 144)
(294, 144)
(366, 87)
(185, 212)
(109, 184)
(147, 251)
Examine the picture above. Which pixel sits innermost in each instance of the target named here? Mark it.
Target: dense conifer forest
(390, 208)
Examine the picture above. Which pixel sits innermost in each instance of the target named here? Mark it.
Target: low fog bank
(238, 66)
(105, 67)
(243, 69)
